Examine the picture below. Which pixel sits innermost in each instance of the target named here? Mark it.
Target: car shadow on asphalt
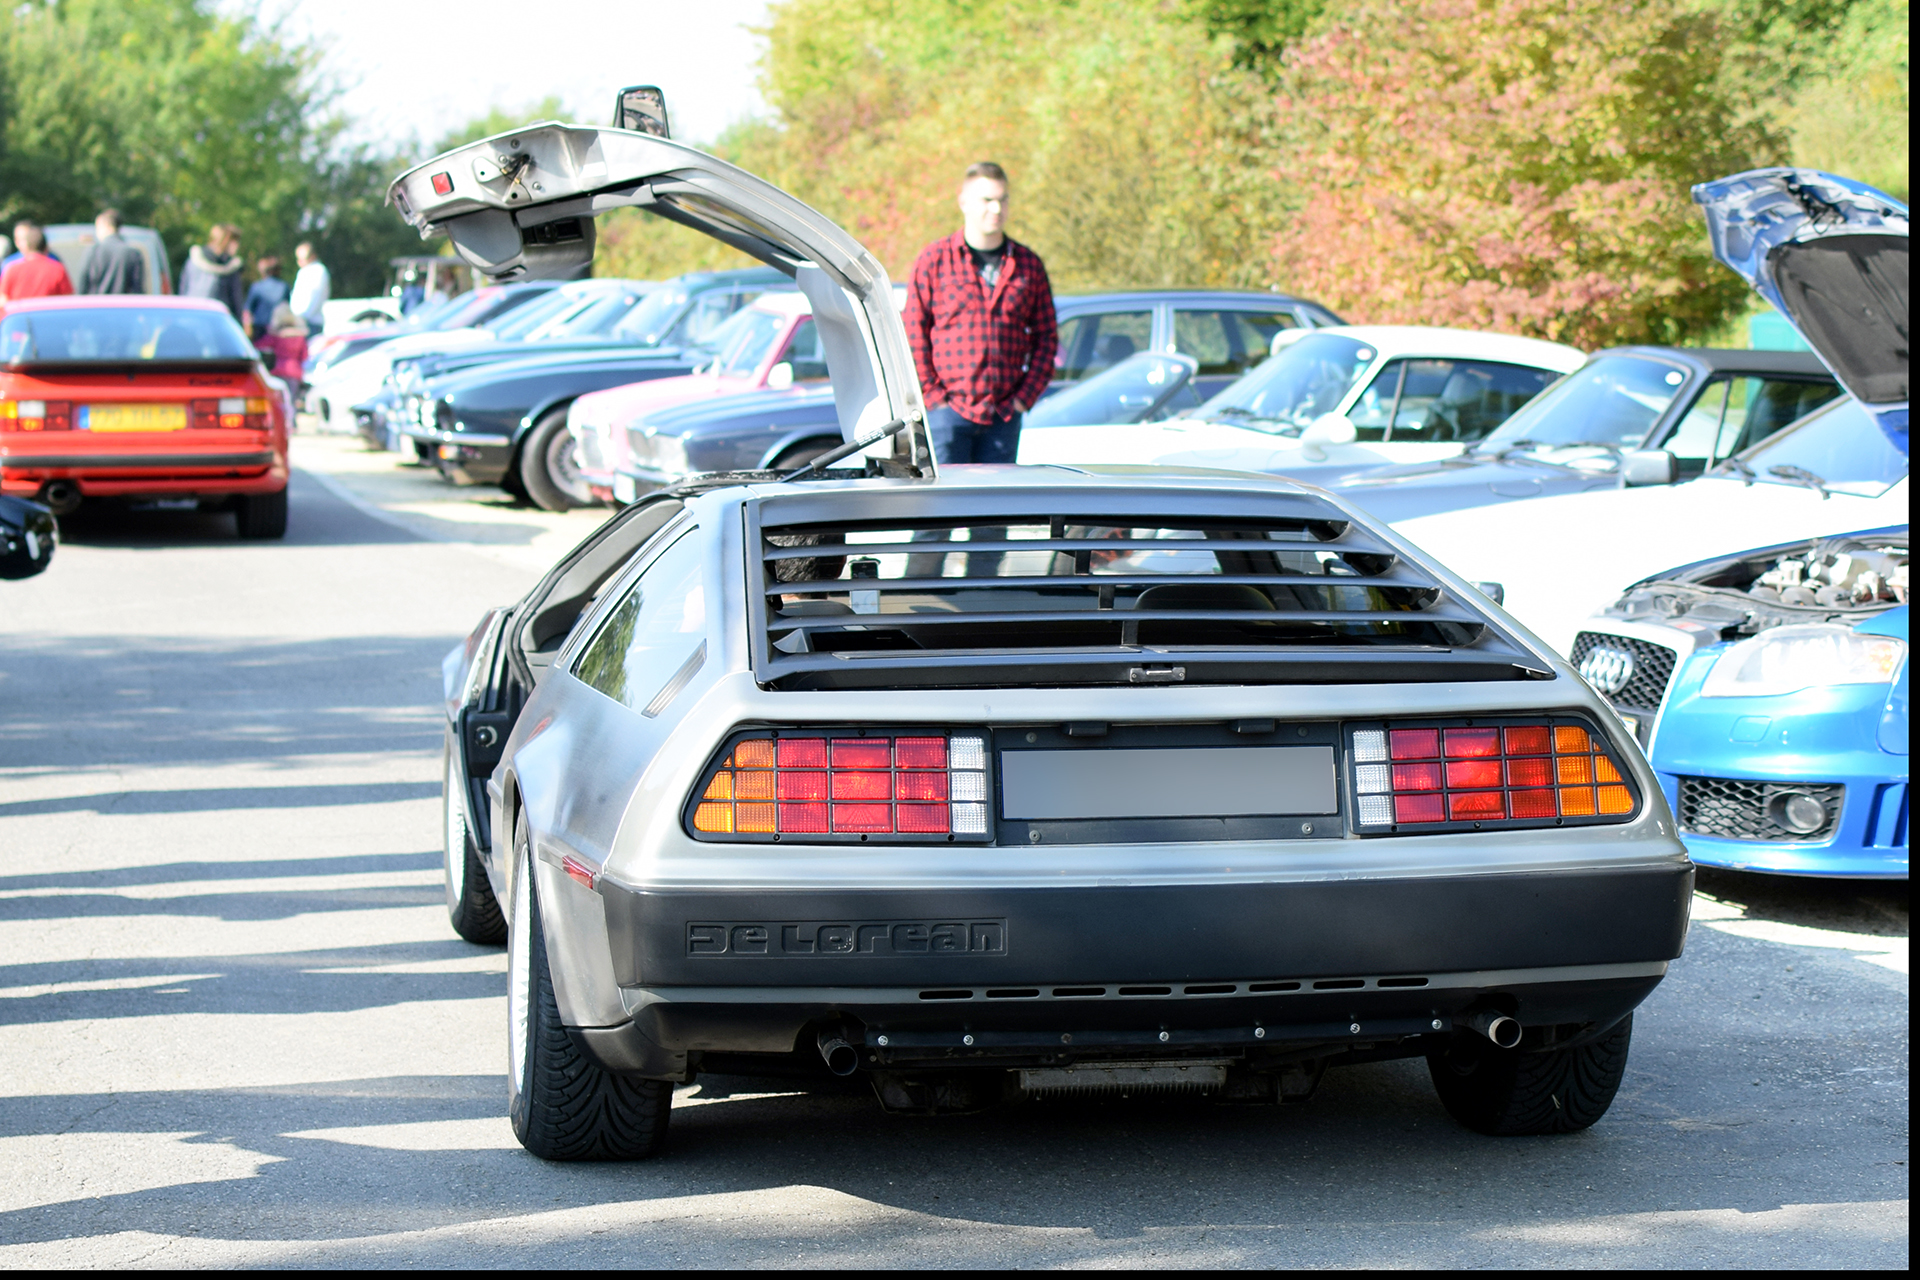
(1875, 907)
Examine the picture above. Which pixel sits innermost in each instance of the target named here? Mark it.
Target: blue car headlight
(1788, 659)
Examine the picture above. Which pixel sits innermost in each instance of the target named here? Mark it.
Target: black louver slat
(1094, 615)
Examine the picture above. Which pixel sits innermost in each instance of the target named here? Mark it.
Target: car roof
(1182, 295)
(81, 301)
(1729, 360)
(1437, 340)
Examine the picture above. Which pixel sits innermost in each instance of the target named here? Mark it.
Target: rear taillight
(36, 415)
(913, 786)
(237, 413)
(1508, 773)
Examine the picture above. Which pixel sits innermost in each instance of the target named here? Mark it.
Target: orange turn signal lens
(1604, 770)
(1616, 800)
(1570, 739)
(1576, 802)
(757, 818)
(713, 818)
(1575, 769)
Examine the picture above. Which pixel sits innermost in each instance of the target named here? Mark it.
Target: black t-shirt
(987, 263)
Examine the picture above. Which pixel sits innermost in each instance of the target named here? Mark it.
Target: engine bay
(1840, 579)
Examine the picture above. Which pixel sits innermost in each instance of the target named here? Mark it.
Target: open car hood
(1831, 255)
(521, 206)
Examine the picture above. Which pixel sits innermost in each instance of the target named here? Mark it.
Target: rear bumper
(127, 474)
(1118, 969)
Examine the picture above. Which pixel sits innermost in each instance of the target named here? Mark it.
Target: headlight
(1787, 659)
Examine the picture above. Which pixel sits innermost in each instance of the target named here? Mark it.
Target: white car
(1329, 402)
(1831, 255)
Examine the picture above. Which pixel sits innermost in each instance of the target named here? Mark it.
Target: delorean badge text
(839, 938)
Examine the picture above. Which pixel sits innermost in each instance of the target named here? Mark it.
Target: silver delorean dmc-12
(1017, 780)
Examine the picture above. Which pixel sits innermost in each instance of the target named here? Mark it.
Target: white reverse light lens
(969, 753)
(1372, 777)
(1369, 745)
(1787, 659)
(969, 819)
(1376, 811)
(969, 786)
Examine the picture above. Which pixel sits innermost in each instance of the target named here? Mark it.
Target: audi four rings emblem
(1607, 670)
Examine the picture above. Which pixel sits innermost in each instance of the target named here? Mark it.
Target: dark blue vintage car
(504, 420)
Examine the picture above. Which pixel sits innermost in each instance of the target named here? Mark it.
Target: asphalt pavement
(236, 1029)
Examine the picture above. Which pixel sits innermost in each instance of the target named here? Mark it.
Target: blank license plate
(1167, 782)
(136, 417)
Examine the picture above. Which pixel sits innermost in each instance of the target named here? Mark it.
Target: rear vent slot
(1399, 982)
(1340, 984)
(1146, 991)
(1068, 993)
(946, 995)
(1259, 987)
(1218, 989)
(1012, 993)
(1275, 588)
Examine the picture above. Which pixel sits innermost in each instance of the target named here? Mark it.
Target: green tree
(182, 117)
(1518, 165)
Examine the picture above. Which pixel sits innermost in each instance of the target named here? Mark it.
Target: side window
(1758, 407)
(1374, 409)
(653, 629)
(1092, 343)
(1461, 401)
(1204, 335)
(804, 354)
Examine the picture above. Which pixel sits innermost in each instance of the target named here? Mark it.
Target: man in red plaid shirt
(980, 322)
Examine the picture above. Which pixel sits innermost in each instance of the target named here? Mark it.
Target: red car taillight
(846, 787)
(36, 415)
(236, 413)
(1514, 773)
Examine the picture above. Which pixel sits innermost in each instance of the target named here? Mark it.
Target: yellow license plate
(137, 417)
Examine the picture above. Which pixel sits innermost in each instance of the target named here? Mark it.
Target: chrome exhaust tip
(841, 1058)
(1495, 1026)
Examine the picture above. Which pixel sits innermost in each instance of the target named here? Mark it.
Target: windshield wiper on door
(1746, 473)
(1803, 477)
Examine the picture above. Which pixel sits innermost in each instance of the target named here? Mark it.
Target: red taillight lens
(36, 415)
(236, 413)
(1543, 772)
(847, 787)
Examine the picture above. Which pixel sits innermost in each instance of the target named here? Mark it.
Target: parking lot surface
(238, 1030)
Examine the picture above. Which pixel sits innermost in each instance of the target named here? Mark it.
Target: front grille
(1738, 808)
(1652, 669)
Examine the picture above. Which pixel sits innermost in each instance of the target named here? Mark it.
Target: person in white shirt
(312, 286)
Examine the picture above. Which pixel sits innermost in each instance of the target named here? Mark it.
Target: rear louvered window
(1285, 589)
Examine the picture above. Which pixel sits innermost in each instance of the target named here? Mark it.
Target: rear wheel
(471, 907)
(1505, 1092)
(549, 469)
(261, 515)
(562, 1103)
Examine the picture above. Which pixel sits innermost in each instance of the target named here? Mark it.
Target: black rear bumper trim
(145, 461)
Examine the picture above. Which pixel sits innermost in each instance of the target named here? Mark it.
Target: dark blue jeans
(957, 439)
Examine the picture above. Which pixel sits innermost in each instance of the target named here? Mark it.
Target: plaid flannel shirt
(983, 355)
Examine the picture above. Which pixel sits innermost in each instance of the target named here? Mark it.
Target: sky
(418, 69)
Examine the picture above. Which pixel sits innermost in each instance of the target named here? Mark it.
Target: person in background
(114, 266)
(412, 291)
(266, 293)
(213, 270)
(286, 341)
(35, 273)
(980, 322)
(312, 286)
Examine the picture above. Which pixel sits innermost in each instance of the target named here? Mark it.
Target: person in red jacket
(36, 273)
(981, 325)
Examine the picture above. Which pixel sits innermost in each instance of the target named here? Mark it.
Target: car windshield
(1125, 393)
(1838, 447)
(516, 325)
(651, 321)
(743, 341)
(589, 319)
(1610, 400)
(118, 335)
(1301, 382)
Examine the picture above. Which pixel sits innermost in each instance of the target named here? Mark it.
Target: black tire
(1507, 1093)
(471, 907)
(800, 455)
(549, 473)
(261, 515)
(562, 1103)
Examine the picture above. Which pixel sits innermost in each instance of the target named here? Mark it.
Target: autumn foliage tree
(1516, 165)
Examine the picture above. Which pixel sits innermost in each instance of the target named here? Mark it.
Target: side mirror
(1328, 428)
(780, 377)
(1492, 591)
(1646, 466)
(643, 109)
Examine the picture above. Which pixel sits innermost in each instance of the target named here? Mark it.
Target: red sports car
(140, 396)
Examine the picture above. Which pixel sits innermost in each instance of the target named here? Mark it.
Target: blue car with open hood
(1770, 686)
